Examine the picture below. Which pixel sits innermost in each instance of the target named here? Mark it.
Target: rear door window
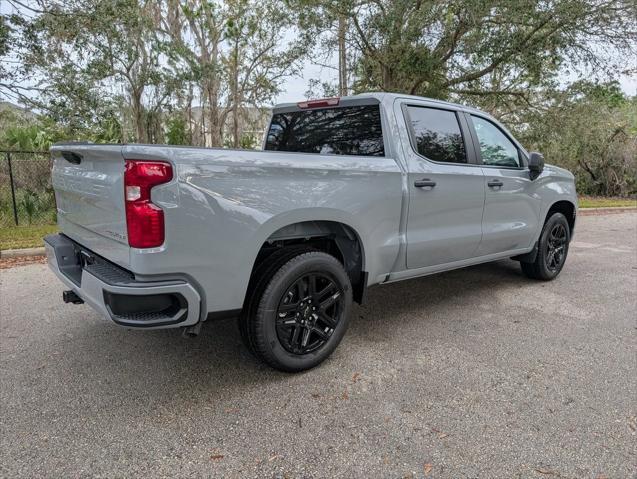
(437, 135)
(354, 130)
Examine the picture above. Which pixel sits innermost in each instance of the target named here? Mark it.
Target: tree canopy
(86, 62)
(202, 72)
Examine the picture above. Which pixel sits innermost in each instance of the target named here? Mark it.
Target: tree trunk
(189, 114)
(213, 123)
(235, 95)
(342, 56)
(202, 125)
(387, 79)
(138, 115)
(216, 137)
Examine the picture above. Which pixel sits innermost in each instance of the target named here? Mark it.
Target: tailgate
(89, 191)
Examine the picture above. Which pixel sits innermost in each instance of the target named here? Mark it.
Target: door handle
(495, 183)
(424, 183)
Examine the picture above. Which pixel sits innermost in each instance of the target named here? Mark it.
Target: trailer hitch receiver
(71, 297)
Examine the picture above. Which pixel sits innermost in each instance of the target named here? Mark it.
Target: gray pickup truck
(346, 193)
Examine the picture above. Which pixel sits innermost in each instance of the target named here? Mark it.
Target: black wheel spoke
(296, 334)
(286, 308)
(330, 300)
(552, 261)
(329, 288)
(306, 337)
(308, 313)
(320, 333)
(328, 320)
(288, 322)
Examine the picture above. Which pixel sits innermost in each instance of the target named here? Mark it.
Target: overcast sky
(294, 88)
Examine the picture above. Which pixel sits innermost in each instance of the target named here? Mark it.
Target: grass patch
(600, 202)
(14, 237)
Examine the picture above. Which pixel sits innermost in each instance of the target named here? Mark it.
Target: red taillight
(144, 220)
(323, 102)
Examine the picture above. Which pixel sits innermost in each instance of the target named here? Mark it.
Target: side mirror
(536, 164)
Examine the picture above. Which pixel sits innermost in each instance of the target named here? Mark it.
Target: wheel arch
(333, 236)
(568, 209)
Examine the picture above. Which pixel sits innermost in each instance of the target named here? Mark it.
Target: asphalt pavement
(476, 373)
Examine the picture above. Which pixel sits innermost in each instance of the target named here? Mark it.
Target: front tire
(300, 312)
(552, 249)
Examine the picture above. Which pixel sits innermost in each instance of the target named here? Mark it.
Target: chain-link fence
(26, 194)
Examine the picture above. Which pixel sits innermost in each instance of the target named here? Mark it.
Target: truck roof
(381, 97)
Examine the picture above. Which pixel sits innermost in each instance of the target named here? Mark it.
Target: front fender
(553, 185)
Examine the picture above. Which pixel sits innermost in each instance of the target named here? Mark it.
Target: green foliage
(26, 131)
(28, 138)
(176, 131)
(29, 204)
(108, 130)
(34, 207)
(21, 130)
(247, 141)
(591, 129)
(5, 31)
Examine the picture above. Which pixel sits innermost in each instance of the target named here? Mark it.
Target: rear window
(437, 134)
(353, 130)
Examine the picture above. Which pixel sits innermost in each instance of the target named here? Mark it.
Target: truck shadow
(451, 297)
(162, 365)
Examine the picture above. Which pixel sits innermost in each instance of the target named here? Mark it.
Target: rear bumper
(116, 294)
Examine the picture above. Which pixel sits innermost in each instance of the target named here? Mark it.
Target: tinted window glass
(495, 147)
(352, 130)
(437, 134)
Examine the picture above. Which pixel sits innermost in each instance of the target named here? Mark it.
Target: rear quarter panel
(224, 204)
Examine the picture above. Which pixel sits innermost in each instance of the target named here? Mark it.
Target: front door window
(496, 149)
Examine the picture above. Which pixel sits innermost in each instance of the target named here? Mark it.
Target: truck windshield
(354, 130)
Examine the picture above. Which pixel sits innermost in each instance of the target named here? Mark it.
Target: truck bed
(221, 206)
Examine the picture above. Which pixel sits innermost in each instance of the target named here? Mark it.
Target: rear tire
(298, 311)
(552, 250)
(259, 281)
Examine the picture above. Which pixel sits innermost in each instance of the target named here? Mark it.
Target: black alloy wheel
(297, 310)
(552, 249)
(308, 313)
(556, 247)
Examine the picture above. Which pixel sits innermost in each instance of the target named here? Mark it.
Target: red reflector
(144, 220)
(323, 102)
